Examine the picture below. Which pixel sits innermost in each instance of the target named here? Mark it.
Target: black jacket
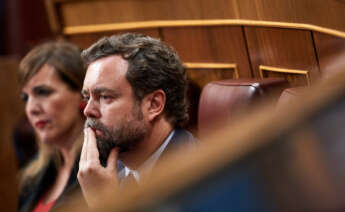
(31, 193)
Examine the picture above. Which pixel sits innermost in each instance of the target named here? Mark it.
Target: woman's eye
(43, 92)
(24, 97)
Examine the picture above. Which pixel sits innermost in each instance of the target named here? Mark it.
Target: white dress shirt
(147, 166)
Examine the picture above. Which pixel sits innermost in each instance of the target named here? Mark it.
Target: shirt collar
(147, 166)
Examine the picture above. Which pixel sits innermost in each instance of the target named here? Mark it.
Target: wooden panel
(82, 12)
(210, 44)
(331, 53)
(10, 109)
(289, 73)
(204, 76)
(10, 88)
(328, 13)
(282, 48)
(85, 40)
(85, 12)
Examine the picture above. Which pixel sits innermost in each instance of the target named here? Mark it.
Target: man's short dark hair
(153, 65)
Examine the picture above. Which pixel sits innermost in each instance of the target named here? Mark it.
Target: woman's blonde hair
(45, 155)
(65, 59)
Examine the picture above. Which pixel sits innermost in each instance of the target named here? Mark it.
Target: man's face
(111, 110)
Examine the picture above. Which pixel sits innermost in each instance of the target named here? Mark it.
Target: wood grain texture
(210, 44)
(11, 108)
(86, 40)
(83, 12)
(318, 12)
(204, 76)
(331, 53)
(329, 14)
(283, 48)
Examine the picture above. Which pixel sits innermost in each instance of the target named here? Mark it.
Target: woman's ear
(153, 104)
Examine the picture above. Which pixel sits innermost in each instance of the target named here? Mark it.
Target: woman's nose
(33, 107)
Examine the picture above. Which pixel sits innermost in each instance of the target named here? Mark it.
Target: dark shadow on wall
(24, 24)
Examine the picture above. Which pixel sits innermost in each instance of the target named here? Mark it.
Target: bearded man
(135, 89)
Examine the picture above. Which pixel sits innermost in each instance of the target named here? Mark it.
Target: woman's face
(51, 106)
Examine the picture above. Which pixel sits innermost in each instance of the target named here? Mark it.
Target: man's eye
(105, 97)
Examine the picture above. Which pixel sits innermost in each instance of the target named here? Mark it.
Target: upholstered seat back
(222, 100)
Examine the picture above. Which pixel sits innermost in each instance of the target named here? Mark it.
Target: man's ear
(153, 104)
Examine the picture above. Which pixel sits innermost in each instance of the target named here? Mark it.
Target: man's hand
(97, 183)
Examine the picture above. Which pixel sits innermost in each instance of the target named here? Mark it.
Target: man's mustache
(95, 125)
(104, 146)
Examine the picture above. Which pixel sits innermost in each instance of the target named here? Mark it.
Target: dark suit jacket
(31, 194)
(181, 138)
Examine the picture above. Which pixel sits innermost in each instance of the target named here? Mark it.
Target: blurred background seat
(222, 101)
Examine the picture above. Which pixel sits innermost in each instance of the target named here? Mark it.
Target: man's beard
(126, 135)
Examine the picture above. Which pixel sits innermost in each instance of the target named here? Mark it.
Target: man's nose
(92, 109)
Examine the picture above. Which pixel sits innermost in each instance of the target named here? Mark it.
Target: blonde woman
(51, 77)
